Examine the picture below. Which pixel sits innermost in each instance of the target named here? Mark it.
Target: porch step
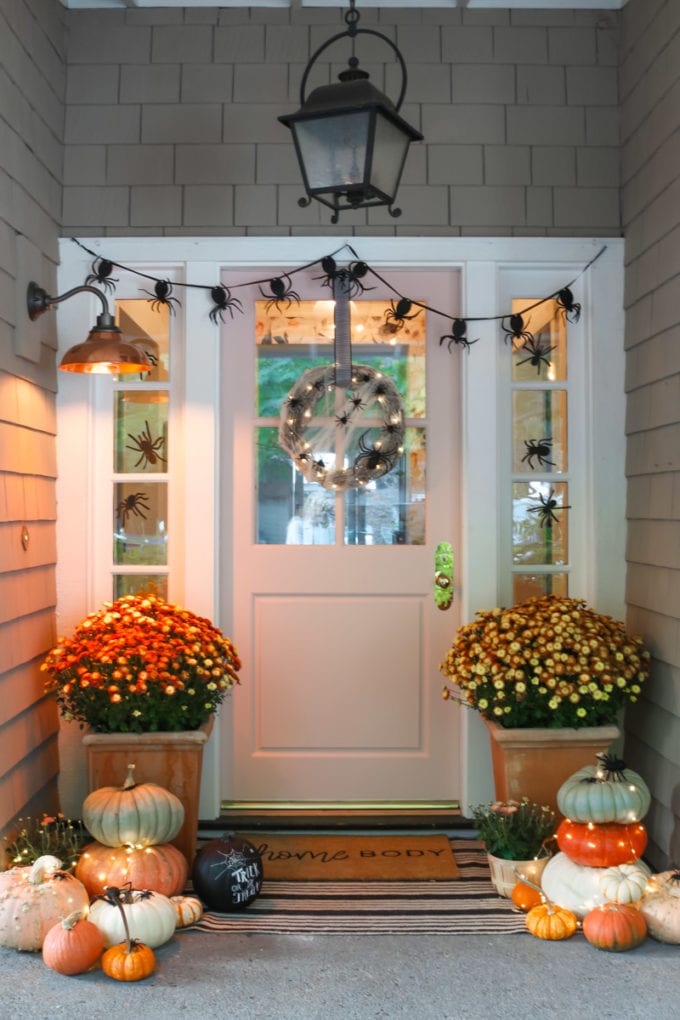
(244, 819)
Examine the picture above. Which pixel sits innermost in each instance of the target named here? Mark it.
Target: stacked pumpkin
(598, 875)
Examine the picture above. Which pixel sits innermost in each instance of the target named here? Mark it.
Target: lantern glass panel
(389, 152)
(333, 149)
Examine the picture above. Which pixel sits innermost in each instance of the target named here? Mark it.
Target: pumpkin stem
(130, 778)
(43, 869)
(71, 920)
(116, 896)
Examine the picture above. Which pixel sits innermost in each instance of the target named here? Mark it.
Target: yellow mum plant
(141, 664)
(549, 661)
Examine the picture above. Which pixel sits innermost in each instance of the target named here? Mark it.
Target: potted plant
(145, 677)
(547, 675)
(516, 835)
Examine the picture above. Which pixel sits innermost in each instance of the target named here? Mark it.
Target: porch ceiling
(550, 5)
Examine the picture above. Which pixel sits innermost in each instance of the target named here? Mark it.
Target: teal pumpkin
(606, 792)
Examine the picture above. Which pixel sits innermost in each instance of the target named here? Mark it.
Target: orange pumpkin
(615, 927)
(526, 896)
(161, 868)
(129, 964)
(546, 921)
(73, 945)
(601, 844)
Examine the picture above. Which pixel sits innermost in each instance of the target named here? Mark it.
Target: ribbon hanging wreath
(359, 413)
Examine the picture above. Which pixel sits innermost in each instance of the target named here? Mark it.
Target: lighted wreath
(369, 411)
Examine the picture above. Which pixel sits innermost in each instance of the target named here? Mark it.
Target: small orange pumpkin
(615, 927)
(546, 921)
(189, 910)
(526, 896)
(129, 960)
(161, 868)
(73, 945)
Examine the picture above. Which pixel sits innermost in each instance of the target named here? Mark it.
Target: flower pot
(171, 760)
(534, 763)
(506, 874)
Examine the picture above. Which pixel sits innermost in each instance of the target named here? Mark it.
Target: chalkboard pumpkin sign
(227, 873)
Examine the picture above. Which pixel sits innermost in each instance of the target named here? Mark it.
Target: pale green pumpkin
(135, 814)
(606, 792)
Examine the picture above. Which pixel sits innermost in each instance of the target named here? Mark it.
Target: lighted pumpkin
(601, 845)
(162, 868)
(73, 945)
(138, 814)
(189, 910)
(525, 896)
(615, 927)
(151, 917)
(606, 792)
(547, 921)
(129, 960)
(660, 907)
(33, 899)
(227, 873)
(580, 888)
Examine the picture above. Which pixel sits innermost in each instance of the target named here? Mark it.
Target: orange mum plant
(549, 661)
(141, 664)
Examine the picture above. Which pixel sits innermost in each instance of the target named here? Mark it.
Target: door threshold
(249, 816)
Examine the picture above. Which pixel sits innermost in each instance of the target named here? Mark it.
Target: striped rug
(467, 906)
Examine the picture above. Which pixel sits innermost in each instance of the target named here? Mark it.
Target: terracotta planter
(171, 760)
(506, 874)
(534, 763)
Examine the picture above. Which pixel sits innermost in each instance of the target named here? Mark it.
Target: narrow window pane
(526, 586)
(132, 584)
(539, 431)
(141, 431)
(149, 329)
(540, 522)
(140, 523)
(540, 355)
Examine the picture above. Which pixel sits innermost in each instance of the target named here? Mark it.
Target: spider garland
(281, 295)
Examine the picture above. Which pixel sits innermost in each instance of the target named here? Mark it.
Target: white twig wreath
(370, 413)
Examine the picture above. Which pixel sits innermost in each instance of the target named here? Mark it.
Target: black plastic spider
(101, 274)
(356, 271)
(281, 292)
(136, 503)
(458, 335)
(223, 302)
(342, 420)
(399, 313)
(356, 402)
(371, 458)
(538, 448)
(516, 330)
(538, 353)
(331, 271)
(546, 509)
(571, 308)
(162, 291)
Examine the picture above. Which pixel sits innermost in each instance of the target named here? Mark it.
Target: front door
(331, 590)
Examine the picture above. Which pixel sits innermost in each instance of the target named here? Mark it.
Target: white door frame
(482, 261)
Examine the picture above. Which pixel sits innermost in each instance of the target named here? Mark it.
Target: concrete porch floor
(296, 977)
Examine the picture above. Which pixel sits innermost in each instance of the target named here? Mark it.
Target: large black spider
(223, 302)
(538, 353)
(101, 274)
(458, 335)
(516, 329)
(571, 308)
(281, 291)
(398, 313)
(539, 448)
(371, 458)
(331, 271)
(162, 291)
(147, 447)
(546, 509)
(136, 503)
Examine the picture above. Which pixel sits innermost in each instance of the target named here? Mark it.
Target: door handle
(443, 575)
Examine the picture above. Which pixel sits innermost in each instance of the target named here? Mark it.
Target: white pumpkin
(134, 814)
(661, 907)
(33, 899)
(606, 792)
(151, 918)
(189, 910)
(579, 888)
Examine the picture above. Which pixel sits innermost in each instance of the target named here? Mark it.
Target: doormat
(466, 906)
(339, 858)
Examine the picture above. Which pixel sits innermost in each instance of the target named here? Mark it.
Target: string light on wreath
(376, 449)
